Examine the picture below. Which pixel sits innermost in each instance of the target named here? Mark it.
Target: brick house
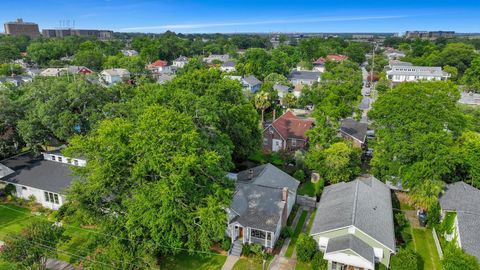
(287, 133)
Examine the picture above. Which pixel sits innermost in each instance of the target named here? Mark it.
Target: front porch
(248, 235)
(341, 266)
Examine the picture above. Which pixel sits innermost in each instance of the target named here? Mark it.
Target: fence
(437, 243)
(307, 201)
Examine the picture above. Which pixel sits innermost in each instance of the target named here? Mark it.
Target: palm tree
(289, 100)
(262, 102)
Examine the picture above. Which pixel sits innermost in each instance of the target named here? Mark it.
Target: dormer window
(60, 159)
(53, 158)
(75, 162)
(69, 160)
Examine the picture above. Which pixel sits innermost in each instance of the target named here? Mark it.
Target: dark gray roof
(36, 172)
(181, 58)
(228, 64)
(364, 203)
(258, 200)
(351, 242)
(464, 200)
(304, 75)
(354, 129)
(251, 80)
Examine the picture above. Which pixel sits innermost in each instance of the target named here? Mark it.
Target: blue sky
(250, 16)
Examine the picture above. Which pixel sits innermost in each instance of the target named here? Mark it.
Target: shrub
(433, 215)
(401, 220)
(225, 244)
(406, 236)
(455, 258)
(31, 200)
(306, 248)
(319, 187)
(318, 263)
(10, 189)
(299, 175)
(405, 259)
(257, 250)
(246, 250)
(286, 232)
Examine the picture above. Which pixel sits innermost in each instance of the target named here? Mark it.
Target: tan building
(21, 28)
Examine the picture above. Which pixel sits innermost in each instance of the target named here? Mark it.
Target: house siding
(25, 192)
(268, 143)
(362, 236)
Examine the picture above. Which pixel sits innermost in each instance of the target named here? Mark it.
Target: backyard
(185, 261)
(424, 245)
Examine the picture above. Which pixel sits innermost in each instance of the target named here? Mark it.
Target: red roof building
(337, 57)
(287, 133)
(320, 61)
(157, 64)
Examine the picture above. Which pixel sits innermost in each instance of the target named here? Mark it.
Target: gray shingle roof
(304, 75)
(354, 129)
(38, 173)
(416, 70)
(228, 64)
(281, 88)
(251, 80)
(351, 242)
(364, 203)
(464, 200)
(258, 201)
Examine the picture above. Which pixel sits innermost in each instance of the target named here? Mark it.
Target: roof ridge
(355, 199)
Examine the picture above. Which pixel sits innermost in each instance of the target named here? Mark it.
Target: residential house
(319, 64)
(32, 72)
(251, 83)
(44, 177)
(337, 57)
(393, 54)
(159, 66)
(77, 70)
(469, 98)
(228, 66)
(463, 200)
(218, 57)
(354, 131)
(263, 200)
(163, 78)
(15, 80)
(180, 62)
(353, 225)
(129, 53)
(51, 72)
(402, 73)
(281, 89)
(113, 75)
(287, 133)
(304, 77)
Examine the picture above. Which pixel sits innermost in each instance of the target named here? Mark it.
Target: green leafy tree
(10, 69)
(289, 100)
(467, 149)
(356, 52)
(262, 102)
(33, 246)
(471, 77)
(453, 71)
(306, 247)
(405, 259)
(458, 55)
(455, 258)
(8, 52)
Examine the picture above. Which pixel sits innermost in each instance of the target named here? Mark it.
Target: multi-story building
(61, 33)
(21, 28)
(429, 34)
(403, 73)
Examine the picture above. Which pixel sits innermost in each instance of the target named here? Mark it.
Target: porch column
(266, 237)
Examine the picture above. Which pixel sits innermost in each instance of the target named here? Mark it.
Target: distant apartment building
(429, 34)
(21, 28)
(61, 33)
(408, 73)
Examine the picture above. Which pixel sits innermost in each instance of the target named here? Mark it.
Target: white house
(180, 62)
(403, 73)
(297, 77)
(220, 57)
(262, 202)
(228, 66)
(129, 53)
(44, 177)
(111, 76)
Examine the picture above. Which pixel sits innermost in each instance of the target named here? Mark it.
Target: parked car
(422, 218)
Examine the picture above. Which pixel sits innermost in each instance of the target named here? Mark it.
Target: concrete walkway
(230, 262)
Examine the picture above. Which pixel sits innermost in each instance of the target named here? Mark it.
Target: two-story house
(288, 132)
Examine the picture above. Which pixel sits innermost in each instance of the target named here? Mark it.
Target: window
(69, 160)
(265, 141)
(75, 162)
(294, 142)
(60, 159)
(258, 234)
(24, 188)
(53, 158)
(51, 197)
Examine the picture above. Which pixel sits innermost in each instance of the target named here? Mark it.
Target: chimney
(285, 207)
(250, 174)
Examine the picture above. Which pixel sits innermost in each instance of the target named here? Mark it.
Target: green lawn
(310, 222)
(296, 233)
(12, 219)
(424, 244)
(250, 264)
(307, 188)
(302, 266)
(186, 261)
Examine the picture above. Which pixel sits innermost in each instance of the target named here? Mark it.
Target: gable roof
(181, 58)
(464, 200)
(320, 61)
(116, 72)
(351, 242)
(257, 201)
(304, 75)
(281, 88)
(364, 203)
(158, 63)
(251, 80)
(337, 57)
(228, 64)
(33, 171)
(291, 126)
(354, 129)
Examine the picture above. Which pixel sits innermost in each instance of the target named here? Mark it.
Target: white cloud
(246, 23)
